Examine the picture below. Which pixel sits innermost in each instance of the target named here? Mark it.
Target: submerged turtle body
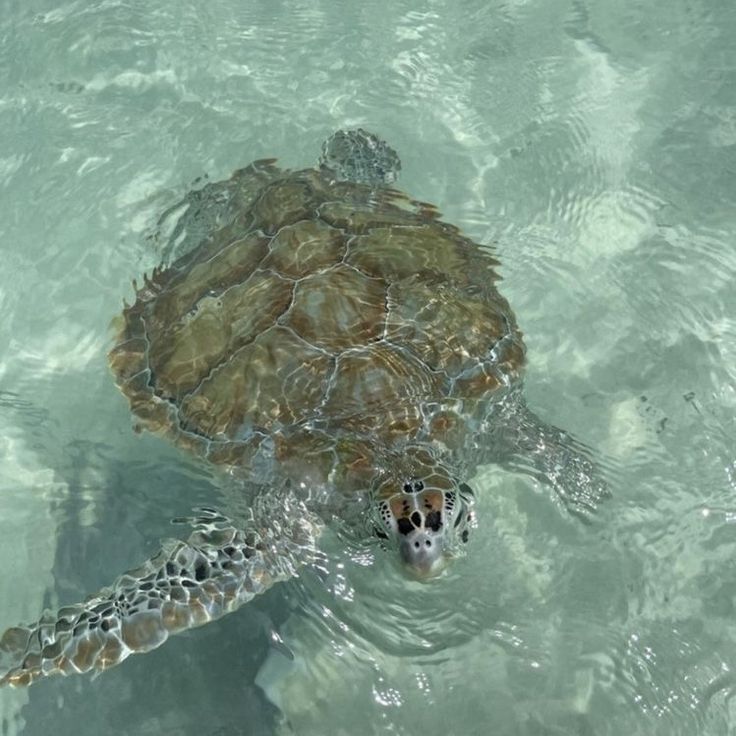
(337, 347)
(329, 322)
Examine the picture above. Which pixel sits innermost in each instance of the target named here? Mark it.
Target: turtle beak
(423, 552)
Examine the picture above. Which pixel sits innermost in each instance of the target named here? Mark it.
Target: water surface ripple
(593, 143)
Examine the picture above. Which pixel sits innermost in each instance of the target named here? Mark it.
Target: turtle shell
(326, 319)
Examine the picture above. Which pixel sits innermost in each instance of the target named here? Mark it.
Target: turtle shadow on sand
(339, 352)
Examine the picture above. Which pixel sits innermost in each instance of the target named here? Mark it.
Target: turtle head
(361, 157)
(428, 518)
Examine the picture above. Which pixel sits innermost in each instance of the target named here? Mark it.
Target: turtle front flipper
(526, 443)
(187, 584)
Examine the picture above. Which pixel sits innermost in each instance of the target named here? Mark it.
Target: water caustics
(592, 144)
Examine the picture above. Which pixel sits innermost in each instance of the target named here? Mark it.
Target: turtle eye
(404, 525)
(433, 521)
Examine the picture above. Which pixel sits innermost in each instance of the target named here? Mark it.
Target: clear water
(595, 143)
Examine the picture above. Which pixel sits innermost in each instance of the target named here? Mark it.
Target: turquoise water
(595, 144)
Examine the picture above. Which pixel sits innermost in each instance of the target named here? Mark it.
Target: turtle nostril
(428, 543)
(416, 545)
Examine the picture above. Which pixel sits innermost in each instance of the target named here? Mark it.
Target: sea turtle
(341, 352)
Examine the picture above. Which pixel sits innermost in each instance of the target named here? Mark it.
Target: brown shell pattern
(328, 319)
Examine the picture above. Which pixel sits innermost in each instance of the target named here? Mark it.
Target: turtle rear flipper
(187, 584)
(207, 208)
(528, 444)
(360, 157)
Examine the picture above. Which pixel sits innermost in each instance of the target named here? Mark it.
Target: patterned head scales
(427, 514)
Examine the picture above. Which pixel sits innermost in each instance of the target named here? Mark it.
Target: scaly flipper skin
(523, 441)
(187, 584)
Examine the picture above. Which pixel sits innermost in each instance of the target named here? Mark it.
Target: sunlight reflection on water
(593, 144)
